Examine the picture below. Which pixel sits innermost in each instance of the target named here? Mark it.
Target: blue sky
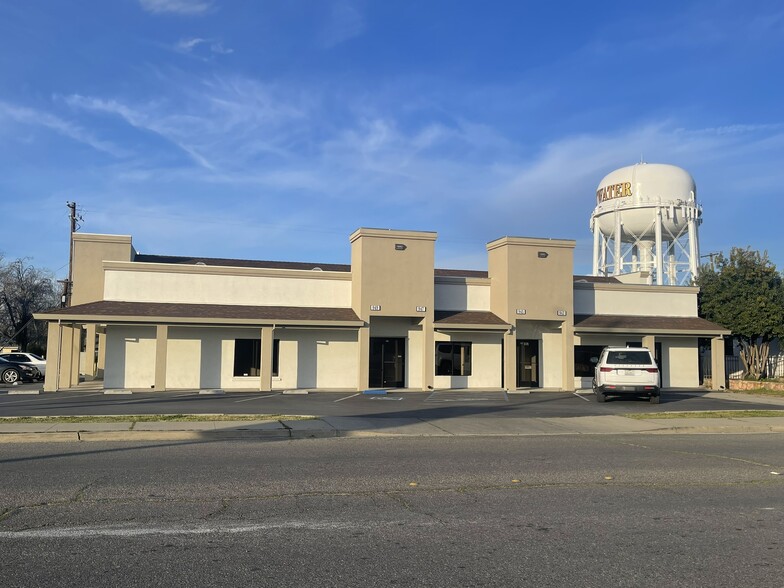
(272, 130)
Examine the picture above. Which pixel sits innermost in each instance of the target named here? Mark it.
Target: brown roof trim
(267, 264)
(158, 312)
(469, 319)
(300, 265)
(689, 325)
(597, 279)
(458, 273)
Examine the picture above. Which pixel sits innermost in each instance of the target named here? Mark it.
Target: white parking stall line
(346, 397)
(580, 396)
(258, 397)
(49, 397)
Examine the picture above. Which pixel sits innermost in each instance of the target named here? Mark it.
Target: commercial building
(389, 319)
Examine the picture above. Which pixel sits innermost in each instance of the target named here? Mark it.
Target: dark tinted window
(583, 366)
(247, 357)
(453, 359)
(629, 358)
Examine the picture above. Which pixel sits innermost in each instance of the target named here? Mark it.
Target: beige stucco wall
(323, 359)
(203, 285)
(195, 356)
(395, 281)
(624, 299)
(529, 274)
(681, 368)
(90, 251)
(485, 361)
(204, 358)
(130, 357)
(462, 294)
(308, 359)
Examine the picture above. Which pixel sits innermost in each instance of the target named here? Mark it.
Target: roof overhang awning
(116, 312)
(469, 320)
(648, 325)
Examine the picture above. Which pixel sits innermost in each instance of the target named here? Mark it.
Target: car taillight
(605, 370)
(652, 370)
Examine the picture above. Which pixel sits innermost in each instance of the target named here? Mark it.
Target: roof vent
(317, 269)
(200, 263)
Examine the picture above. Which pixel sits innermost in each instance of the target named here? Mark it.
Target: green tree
(24, 290)
(744, 294)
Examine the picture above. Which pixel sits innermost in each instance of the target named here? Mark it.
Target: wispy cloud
(343, 23)
(185, 7)
(33, 117)
(188, 46)
(223, 123)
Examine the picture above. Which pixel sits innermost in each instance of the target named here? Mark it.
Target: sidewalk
(379, 427)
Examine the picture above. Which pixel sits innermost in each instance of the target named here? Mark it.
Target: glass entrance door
(527, 363)
(387, 362)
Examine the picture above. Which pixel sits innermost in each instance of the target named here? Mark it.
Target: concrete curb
(282, 434)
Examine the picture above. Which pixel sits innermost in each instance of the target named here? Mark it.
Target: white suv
(626, 371)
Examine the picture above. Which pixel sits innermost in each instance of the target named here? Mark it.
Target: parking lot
(391, 405)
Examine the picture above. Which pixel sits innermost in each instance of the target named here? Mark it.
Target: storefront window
(247, 357)
(583, 367)
(453, 359)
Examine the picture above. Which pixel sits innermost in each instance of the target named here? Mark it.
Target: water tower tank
(646, 220)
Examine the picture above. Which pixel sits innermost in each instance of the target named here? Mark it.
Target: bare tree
(24, 290)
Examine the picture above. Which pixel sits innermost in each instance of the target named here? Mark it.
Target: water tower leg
(694, 248)
(659, 255)
(617, 242)
(596, 235)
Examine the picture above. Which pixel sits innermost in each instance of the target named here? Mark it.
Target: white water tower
(646, 220)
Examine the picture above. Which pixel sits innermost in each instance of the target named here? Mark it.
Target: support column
(66, 357)
(596, 236)
(510, 360)
(53, 357)
(659, 252)
(101, 365)
(567, 358)
(89, 352)
(649, 342)
(76, 353)
(363, 358)
(428, 354)
(161, 349)
(718, 375)
(265, 380)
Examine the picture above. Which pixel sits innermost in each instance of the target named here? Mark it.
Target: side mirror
(594, 360)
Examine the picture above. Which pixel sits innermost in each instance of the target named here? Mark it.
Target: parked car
(628, 371)
(12, 372)
(29, 358)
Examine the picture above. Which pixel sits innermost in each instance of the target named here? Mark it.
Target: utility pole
(68, 284)
(711, 256)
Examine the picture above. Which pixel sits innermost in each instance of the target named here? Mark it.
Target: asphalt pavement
(344, 414)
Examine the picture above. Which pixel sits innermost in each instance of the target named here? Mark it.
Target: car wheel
(10, 376)
(655, 399)
(600, 397)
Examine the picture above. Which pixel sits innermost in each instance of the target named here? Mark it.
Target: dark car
(12, 372)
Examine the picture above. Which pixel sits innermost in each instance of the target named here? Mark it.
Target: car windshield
(629, 358)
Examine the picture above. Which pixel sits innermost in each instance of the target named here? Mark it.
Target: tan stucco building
(390, 319)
